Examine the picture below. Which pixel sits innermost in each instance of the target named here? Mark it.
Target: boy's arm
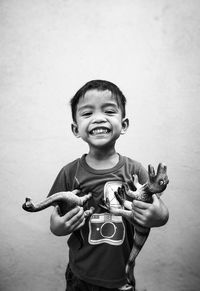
(66, 224)
(150, 215)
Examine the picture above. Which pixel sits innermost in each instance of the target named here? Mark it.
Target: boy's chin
(101, 144)
(106, 140)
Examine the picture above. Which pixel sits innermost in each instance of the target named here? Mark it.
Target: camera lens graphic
(108, 229)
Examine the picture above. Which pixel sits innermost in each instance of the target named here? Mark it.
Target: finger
(79, 216)
(143, 219)
(76, 221)
(140, 204)
(56, 211)
(138, 220)
(156, 200)
(138, 211)
(155, 197)
(89, 212)
(79, 225)
(70, 214)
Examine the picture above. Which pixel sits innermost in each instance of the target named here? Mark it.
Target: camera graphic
(106, 227)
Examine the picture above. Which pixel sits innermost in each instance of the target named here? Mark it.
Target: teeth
(99, 131)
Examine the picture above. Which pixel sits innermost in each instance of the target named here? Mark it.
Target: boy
(99, 118)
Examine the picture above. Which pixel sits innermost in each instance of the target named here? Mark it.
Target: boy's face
(99, 119)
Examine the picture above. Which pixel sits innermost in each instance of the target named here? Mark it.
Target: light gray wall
(150, 49)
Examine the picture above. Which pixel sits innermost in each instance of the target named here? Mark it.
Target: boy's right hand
(66, 224)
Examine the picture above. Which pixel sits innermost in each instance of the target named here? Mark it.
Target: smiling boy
(99, 122)
(99, 118)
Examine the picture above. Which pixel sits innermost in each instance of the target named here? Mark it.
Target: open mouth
(99, 130)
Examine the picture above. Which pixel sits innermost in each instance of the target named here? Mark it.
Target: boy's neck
(101, 160)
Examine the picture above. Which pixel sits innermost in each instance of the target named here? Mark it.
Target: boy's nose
(99, 118)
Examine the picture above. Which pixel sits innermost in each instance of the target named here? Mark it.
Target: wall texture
(150, 49)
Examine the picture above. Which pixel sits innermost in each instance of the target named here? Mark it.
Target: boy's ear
(125, 125)
(74, 128)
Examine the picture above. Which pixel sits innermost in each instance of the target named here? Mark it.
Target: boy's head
(100, 85)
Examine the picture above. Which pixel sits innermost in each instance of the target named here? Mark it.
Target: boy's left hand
(150, 215)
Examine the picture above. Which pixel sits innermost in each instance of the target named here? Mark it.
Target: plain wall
(49, 49)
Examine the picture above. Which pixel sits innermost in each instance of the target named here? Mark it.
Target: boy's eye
(110, 111)
(88, 113)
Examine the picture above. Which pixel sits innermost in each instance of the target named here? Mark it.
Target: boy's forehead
(94, 94)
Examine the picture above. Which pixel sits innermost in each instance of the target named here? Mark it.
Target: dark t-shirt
(107, 238)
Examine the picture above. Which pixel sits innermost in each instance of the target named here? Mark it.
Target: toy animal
(65, 200)
(156, 183)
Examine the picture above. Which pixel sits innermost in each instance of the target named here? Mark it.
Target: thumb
(56, 211)
(156, 200)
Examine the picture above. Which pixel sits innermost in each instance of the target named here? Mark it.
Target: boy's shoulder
(132, 162)
(71, 165)
(135, 167)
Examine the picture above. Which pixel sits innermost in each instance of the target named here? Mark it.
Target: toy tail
(141, 235)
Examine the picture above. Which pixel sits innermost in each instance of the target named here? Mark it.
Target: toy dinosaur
(65, 200)
(156, 183)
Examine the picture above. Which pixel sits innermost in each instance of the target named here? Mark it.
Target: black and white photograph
(99, 145)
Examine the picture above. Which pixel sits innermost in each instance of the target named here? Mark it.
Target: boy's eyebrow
(114, 104)
(85, 107)
(88, 106)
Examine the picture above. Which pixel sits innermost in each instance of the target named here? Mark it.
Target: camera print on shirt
(106, 227)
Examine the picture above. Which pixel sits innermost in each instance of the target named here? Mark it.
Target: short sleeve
(60, 183)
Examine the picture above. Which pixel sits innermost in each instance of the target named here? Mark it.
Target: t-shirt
(107, 239)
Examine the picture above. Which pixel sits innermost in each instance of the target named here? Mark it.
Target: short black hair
(100, 85)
